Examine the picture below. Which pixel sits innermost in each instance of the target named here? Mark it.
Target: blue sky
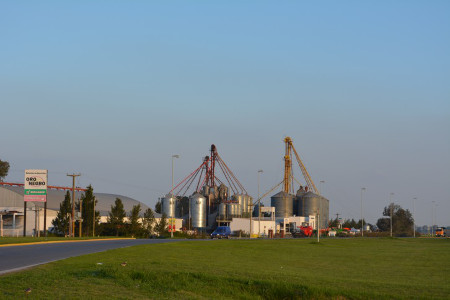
(111, 89)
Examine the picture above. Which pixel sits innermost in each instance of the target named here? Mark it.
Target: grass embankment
(273, 269)
(23, 240)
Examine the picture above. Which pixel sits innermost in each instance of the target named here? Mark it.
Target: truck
(441, 232)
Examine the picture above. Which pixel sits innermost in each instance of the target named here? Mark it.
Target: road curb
(68, 241)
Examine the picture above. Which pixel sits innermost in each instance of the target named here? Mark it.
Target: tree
(402, 221)
(4, 168)
(87, 213)
(62, 220)
(161, 227)
(358, 224)
(116, 216)
(147, 221)
(334, 223)
(158, 207)
(349, 224)
(135, 226)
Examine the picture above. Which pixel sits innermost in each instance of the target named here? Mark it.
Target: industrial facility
(212, 196)
(209, 197)
(12, 208)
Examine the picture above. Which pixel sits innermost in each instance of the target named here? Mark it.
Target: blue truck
(221, 232)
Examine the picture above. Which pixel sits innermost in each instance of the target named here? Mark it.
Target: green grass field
(370, 268)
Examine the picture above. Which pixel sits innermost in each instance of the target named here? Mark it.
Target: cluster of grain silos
(211, 199)
(305, 203)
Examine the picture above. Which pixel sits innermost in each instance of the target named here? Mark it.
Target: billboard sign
(35, 187)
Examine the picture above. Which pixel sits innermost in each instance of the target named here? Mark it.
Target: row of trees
(136, 225)
(402, 221)
(91, 217)
(118, 222)
(350, 223)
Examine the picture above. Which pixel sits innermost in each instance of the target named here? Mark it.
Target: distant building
(12, 205)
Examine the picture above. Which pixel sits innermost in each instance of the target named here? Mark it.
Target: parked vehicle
(303, 231)
(221, 232)
(440, 231)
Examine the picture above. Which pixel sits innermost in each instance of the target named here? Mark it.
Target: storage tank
(223, 192)
(283, 203)
(168, 205)
(239, 198)
(233, 210)
(247, 203)
(256, 209)
(197, 206)
(222, 210)
(310, 203)
(238, 209)
(206, 190)
(298, 201)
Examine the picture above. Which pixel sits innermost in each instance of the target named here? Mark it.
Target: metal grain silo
(206, 190)
(238, 209)
(311, 203)
(168, 205)
(233, 210)
(222, 210)
(197, 206)
(325, 218)
(247, 202)
(298, 202)
(239, 198)
(283, 203)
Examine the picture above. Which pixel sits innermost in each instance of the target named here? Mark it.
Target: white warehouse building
(12, 209)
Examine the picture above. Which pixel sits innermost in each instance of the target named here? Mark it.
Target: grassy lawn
(371, 268)
(21, 240)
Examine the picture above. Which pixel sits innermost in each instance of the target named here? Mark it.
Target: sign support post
(35, 189)
(24, 218)
(45, 219)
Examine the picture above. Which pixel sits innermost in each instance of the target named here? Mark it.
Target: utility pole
(362, 219)
(72, 219)
(318, 227)
(319, 211)
(259, 207)
(414, 215)
(250, 209)
(337, 219)
(172, 221)
(432, 219)
(81, 213)
(392, 207)
(93, 220)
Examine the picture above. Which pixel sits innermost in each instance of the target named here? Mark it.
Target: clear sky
(111, 89)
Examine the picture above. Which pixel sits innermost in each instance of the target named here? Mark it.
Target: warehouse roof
(12, 196)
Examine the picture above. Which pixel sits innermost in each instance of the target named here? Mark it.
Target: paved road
(14, 258)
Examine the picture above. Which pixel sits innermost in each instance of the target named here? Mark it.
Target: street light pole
(432, 218)
(318, 213)
(172, 226)
(93, 219)
(362, 219)
(414, 215)
(259, 207)
(392, 207)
